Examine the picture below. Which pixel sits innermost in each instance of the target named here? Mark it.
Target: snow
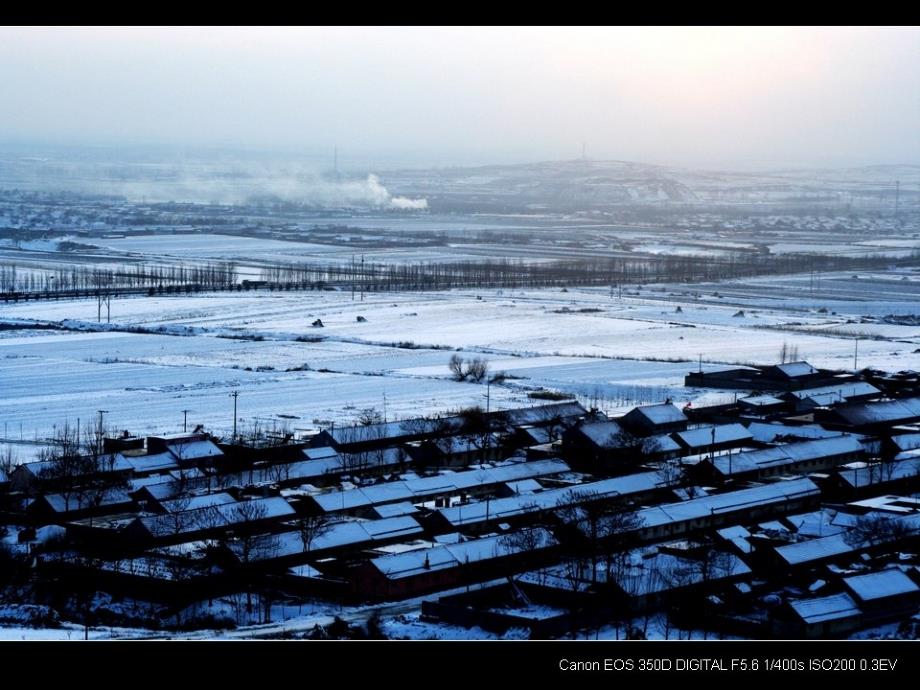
(790, 454)
(444, 556)
(417, 490)
(703, 436)
(825, 609)
(727, 503)
(661, 414)
(503, 508)
(887, 583)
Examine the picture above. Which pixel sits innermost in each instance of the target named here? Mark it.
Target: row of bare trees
(212, 275)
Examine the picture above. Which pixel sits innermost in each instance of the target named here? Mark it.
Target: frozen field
(606, 347)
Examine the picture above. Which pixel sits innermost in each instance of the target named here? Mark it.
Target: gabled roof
(665, 413)
(883, 412)
(887, 583)
(61, 504)
(412, 563)
(794, 370)
(727, 503)
(788, 454)
(824, 609)
(839, 392)
(472, 513)
(712, 435)
(773, 433)
(194, 450)
(452, 482)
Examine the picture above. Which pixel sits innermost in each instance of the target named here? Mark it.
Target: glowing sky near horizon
(722, 96)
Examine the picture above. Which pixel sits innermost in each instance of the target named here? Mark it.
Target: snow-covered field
(616, 349)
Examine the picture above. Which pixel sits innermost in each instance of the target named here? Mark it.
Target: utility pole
(100, 434)
(185, 420)
(234, 395)
(855, 353)
(362, 277)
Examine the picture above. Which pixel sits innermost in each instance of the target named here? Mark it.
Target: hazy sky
(684, 96)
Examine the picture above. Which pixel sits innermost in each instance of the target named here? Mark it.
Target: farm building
(407, 574)
(654, 419)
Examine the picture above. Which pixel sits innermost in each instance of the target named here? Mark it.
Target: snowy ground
(610, 347)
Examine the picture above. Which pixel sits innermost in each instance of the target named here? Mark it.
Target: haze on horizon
(695, 97)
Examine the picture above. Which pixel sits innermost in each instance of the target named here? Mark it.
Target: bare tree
(876, 529)
(312, 527)
(250, 547)
(8, 460)
(670, 473)
(369, 416)
(455, 364)
(477, 369)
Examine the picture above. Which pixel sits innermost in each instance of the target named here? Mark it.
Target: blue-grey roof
(444, 556)
(769, 433)
(702, 437)
(727, 503)
(796, 369)
(884, 412)
(452, 482)
(665, 413)
(824, 609)
(499, 508)
(789, 454)
(887, 583)
(840, 392)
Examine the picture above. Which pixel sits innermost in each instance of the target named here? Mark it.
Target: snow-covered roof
(906, 441)
(727, 503)
(881, 472)
(321, 452)
(43, 469)
(713, 435)
(840, 392)
(664, 413)
(85, 501)
(158, 462)
(738, 536)
(537, 435)
(161, 491)
(525, 486)
(326, 461)
(769, 433)
(760, 400)
(444, 556)
(194, 450)
(821, 523)
(501, 508)
(177, 505)
(887, 583)
(338, 535)
(803, 552)
(604, 434)
(658, 571)
(824, 609)
(787, 455)
(884, 412)
(393, 431)
(395, 509)
(795, 369)
(542, 414)
(215, 516)
(448, 483)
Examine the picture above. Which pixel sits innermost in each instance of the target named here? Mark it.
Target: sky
(721, 97)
